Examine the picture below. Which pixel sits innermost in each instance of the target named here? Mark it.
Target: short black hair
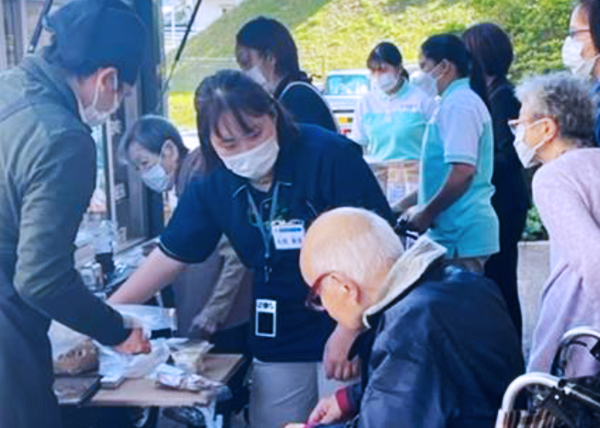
(151, 132)
(491, 46)
(384, 53)
(231, 91)
(451, 48)
(271, 38)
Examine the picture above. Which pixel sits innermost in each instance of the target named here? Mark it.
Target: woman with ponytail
(454, 199)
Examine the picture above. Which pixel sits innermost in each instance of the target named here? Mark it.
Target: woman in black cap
(47, 175)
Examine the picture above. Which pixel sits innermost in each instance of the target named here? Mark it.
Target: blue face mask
(157, 178)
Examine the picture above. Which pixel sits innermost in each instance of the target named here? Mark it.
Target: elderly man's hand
(327, 412)
(418, 219)
(335, 360)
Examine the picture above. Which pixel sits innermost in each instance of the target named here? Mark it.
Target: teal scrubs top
(391, 127)
(460, 131)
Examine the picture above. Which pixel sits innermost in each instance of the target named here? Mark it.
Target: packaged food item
(72, 353)
(82, 358)
(112, 381)
(171, 377)
(190, 355)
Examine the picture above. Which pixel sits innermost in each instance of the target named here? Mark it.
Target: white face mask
(387, 82)
(157, 179)
(572, 56)
(255, 74)
(429, 79)
(91, 114)
(256, 163)
(425, 82)
(525, 152)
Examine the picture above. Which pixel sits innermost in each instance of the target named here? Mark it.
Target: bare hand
(203, 325)
(136, 343)
(335, 359)
(327, 412)
(418, 219)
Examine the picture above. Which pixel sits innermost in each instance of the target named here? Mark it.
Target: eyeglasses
(573, 33)
(313, 300)
(514, 124)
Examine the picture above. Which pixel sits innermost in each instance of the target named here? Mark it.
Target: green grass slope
(340, 33)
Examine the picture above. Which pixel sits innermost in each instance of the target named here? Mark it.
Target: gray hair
(362, 254)
(566, 99)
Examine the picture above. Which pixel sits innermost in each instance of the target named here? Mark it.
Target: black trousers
(27, 399)
(502, 267)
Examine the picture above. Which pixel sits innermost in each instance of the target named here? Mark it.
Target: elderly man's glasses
(313, 300)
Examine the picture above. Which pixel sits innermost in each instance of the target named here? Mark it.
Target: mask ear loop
(436, 68)
(116, 100)
(96, 95)
(545, 140)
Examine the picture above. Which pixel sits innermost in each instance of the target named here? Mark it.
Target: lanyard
(265, 232)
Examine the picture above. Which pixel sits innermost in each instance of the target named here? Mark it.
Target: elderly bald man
(438, 346)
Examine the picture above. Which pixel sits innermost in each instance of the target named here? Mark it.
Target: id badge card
(288, 235)
(266, 318)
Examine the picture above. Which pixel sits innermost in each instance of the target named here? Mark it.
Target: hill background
(340, 33)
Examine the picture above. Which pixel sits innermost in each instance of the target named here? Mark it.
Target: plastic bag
(63, 339)
(72, 353)
(113, 363)
(150, 318)
(189, 354)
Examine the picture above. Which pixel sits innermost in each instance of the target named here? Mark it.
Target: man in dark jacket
(439, 345)
(47, 175)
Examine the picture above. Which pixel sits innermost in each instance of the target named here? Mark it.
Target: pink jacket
(567, 194)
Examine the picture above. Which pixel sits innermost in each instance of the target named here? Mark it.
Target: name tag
(266, 318)
(288, 235)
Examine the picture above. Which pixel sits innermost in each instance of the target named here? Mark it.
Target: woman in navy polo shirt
(267, 180)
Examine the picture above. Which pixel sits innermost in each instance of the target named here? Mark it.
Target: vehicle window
(347, 85)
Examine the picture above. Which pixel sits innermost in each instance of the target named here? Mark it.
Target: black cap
(92, 34)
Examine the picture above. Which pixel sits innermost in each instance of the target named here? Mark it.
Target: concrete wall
(534, 269)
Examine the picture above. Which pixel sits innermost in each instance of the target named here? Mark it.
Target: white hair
(566, 99)
(361, 253)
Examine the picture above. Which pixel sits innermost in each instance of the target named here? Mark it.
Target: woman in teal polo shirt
(455, 189)
(390, 121)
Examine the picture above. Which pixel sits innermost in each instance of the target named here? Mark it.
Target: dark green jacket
(47, 176)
